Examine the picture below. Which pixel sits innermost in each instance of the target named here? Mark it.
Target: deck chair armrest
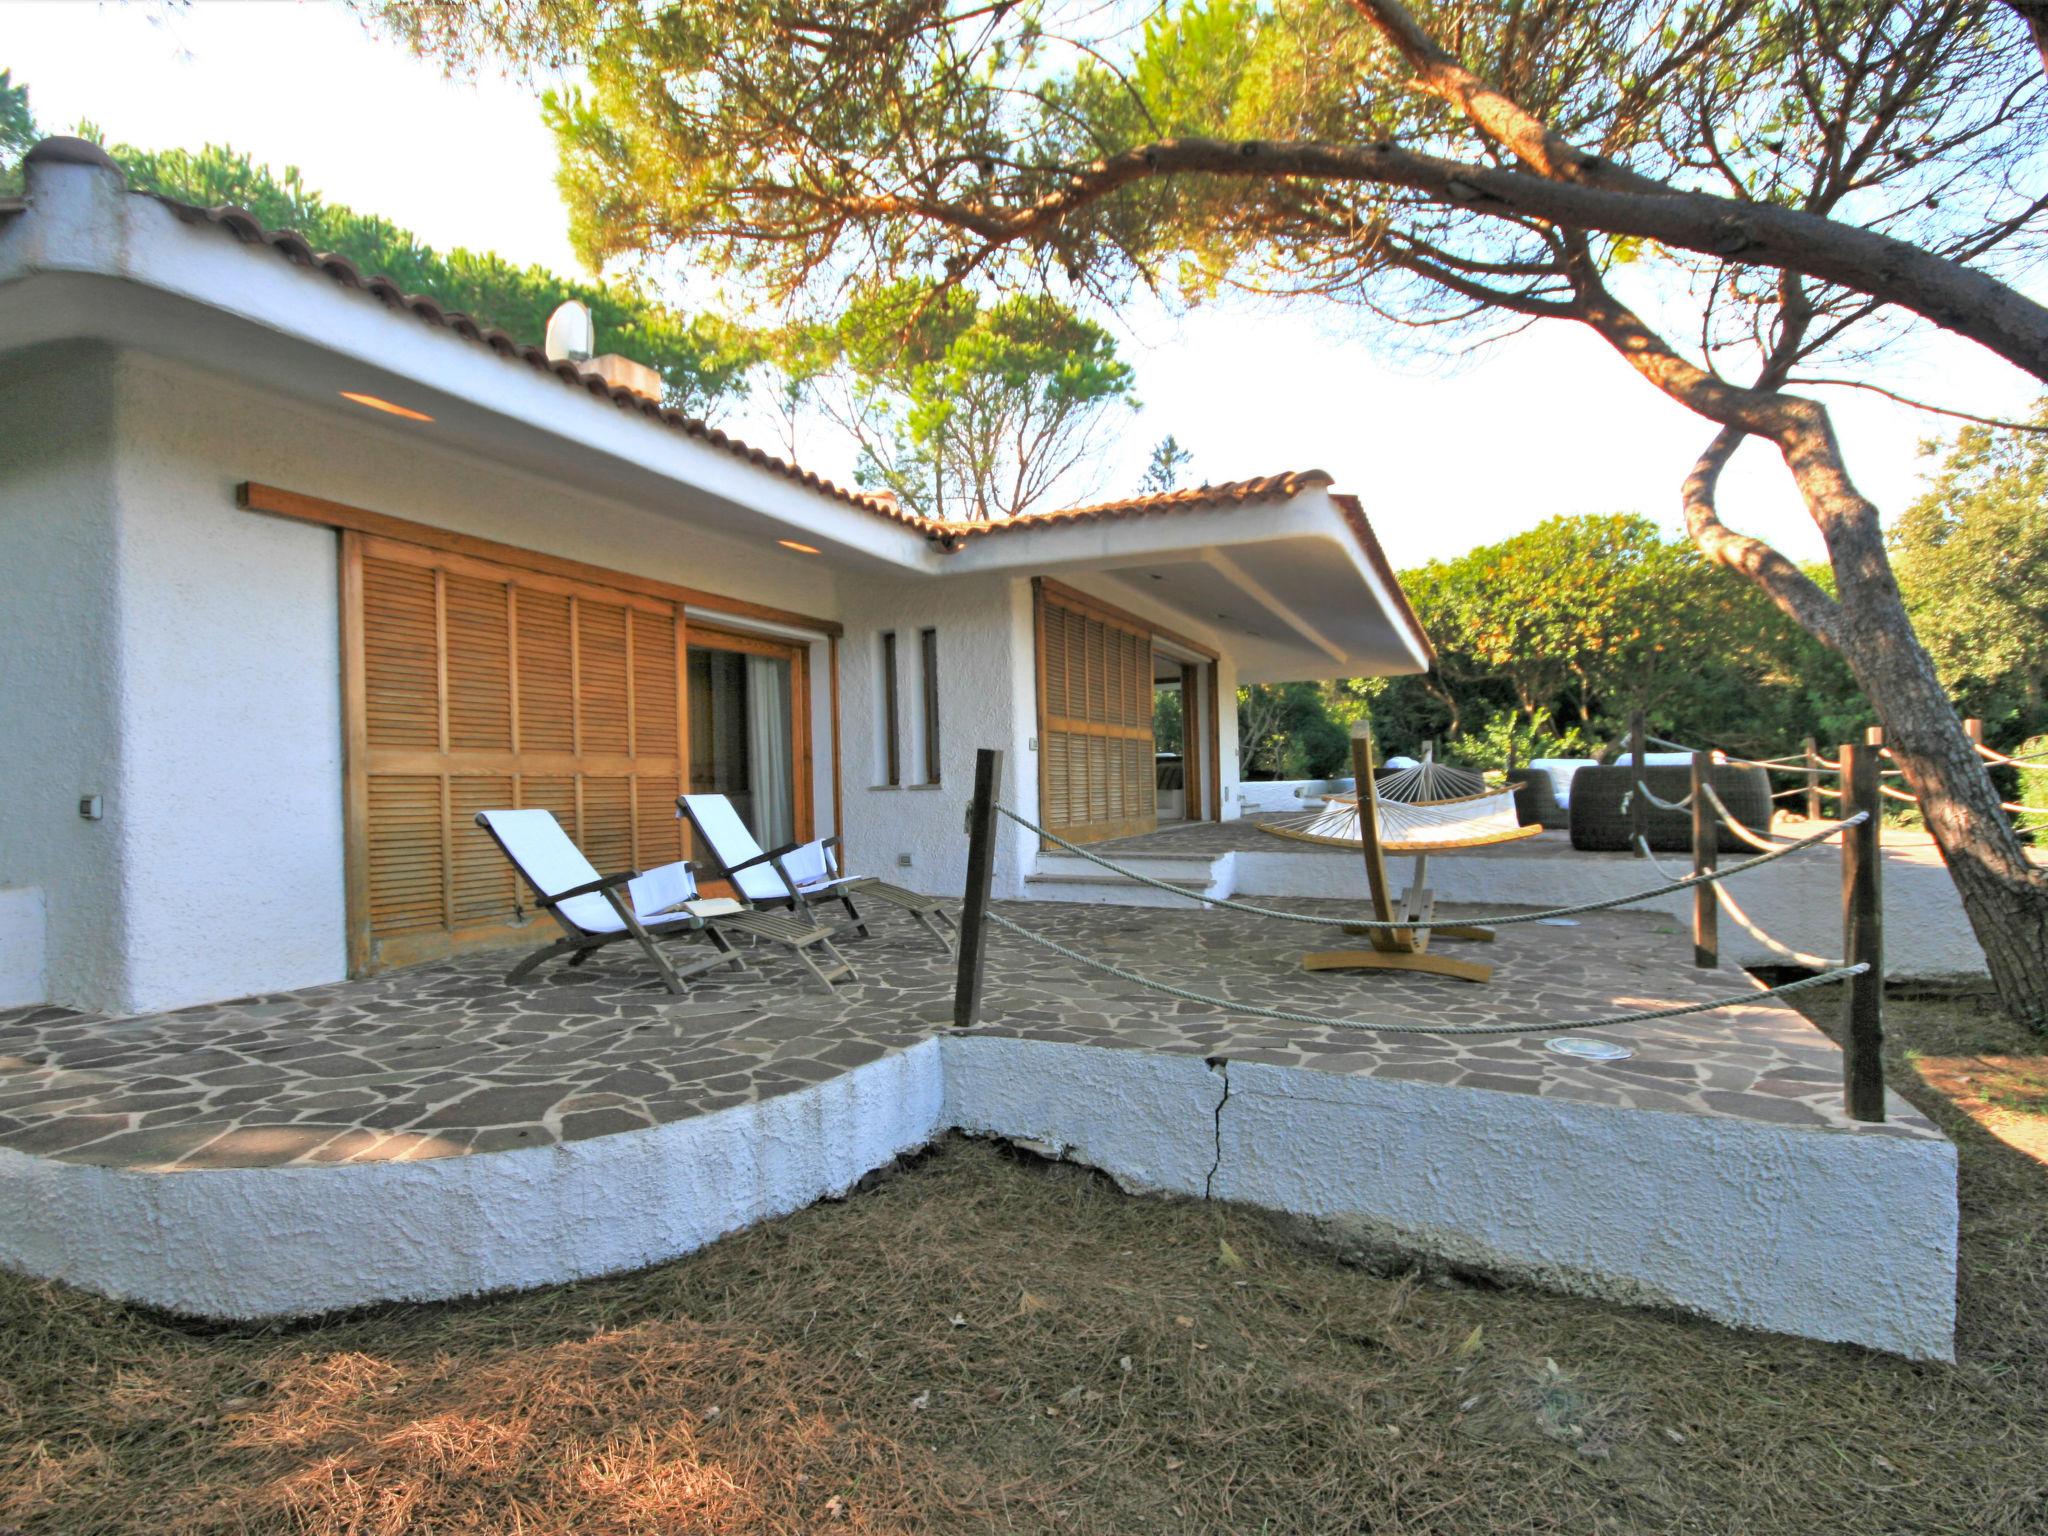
(590, 888)
(772, 856)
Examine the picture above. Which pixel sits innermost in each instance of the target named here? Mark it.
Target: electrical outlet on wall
(903, 861)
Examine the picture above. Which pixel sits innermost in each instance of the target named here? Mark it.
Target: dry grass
(981, 1343)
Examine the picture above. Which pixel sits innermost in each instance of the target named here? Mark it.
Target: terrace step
(1160, 866)
(1063, 877)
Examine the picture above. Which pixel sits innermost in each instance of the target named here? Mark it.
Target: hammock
(1420, 810)
(1434, 824)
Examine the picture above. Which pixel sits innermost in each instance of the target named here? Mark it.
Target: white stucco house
(298, 572)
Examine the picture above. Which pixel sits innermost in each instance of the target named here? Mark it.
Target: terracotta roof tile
(1229, 494)
(295, 248)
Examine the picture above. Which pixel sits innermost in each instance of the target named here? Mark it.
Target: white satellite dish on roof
(572, 335)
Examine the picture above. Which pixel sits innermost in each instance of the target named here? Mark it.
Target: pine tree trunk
(2004, 895)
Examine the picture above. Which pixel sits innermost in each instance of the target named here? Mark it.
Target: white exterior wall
(183, 661)
(230, 776)
(1226, 735)
(987, 698)
(61, 902)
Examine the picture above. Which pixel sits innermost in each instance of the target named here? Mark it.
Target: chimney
(81, 199)
(625, 373)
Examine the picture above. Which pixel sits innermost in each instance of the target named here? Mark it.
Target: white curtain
(769, 767)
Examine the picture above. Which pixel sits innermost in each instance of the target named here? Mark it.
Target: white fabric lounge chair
(798, 874)
(662, 903)
(659, 904)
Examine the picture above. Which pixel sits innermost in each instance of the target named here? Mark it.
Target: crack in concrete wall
(1220, 1065)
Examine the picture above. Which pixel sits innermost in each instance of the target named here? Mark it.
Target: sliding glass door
(748, 731)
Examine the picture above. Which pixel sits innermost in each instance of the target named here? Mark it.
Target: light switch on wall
(91, 807)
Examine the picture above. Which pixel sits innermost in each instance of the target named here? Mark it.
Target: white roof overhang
(1285, 582)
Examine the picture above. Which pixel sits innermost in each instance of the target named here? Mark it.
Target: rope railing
(1732, 822)
(1911, 799)
(1860, 967)
(1411, 1026)
(1491, 920)
(2033, 762)
(1654, 798)
(1770, 945)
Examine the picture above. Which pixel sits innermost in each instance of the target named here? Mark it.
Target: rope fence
(1489, 920)
(1402, 1026)
(1861, 965)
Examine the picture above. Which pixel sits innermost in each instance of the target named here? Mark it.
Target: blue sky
(1448, 452)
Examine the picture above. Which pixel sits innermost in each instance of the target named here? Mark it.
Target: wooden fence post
(1974, 729)
(1873, 736)
(1812, 780)
(1706, 842)
(1862, 936)
(1638, 802)
(981, 874)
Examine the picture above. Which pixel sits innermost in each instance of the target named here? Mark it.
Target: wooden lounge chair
(798, 874)
(1407, 949)
(660, 904)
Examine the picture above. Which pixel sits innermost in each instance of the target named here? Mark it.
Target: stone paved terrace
(434, 1133)
(445, 1060)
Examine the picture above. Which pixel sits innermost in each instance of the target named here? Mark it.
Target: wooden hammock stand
(1402, 949)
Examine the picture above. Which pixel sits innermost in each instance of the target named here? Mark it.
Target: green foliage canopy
(965, 410)
(703, 361)
(1972, 558)
(1549, 639)
(17, 132)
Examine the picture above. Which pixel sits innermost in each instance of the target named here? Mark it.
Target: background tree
(1162, 469)
(1287, 731)
(964, 411)
(1781, 179)
(1169, 721)
(17, 132)
(703, 361)
(1972, 557)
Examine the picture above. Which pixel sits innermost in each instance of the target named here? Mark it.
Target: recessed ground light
(802, 549)
(385, 406)
(1588, 1050)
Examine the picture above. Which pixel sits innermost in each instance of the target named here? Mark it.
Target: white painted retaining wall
(1754, 1225)
(254, 1242)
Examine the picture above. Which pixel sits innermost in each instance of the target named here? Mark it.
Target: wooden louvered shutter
(469, 686)
(1096, 776)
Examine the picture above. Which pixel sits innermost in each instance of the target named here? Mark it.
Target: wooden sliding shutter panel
(1096, 776)
(470, 686)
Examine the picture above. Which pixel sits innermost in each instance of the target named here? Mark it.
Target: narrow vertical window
(928, 643)
(892, 735)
